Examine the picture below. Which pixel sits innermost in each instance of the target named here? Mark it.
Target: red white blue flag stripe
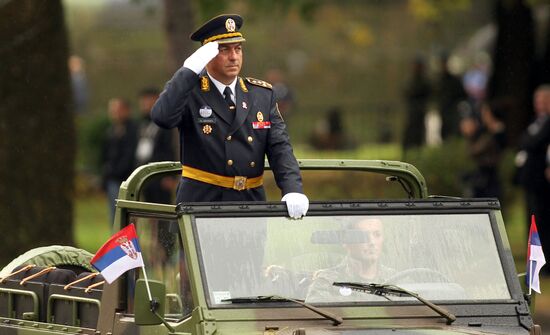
(535, 257)
(119, 254)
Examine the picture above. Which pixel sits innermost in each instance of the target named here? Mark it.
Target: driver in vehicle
(363, 241)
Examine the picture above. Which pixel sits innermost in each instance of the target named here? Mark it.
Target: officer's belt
(238, 183)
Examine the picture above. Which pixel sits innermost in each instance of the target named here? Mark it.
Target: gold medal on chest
(260, 116)
(207, 129)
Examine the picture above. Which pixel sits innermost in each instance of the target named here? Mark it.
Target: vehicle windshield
(439, 256)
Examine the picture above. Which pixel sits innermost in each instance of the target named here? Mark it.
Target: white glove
(297, 204)
(198, 60)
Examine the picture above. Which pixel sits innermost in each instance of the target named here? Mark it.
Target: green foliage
(91, 133)
(306, 8)
(210, 8)
(436, 10)
(352, 54)
(442, 166)
(389, 151)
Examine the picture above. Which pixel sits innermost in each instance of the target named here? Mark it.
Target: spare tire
(61, 256)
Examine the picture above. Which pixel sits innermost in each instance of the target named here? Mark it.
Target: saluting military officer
(227, 124)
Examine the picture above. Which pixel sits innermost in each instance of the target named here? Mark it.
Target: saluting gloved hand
(297, 204)
(198, 60)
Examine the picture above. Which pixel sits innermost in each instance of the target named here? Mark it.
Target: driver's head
(371, 242)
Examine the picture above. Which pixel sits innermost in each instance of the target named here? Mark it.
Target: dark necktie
(227, 96)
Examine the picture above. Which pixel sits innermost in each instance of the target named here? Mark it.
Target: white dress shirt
(221, 87)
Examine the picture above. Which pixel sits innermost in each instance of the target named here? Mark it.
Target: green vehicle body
(185, 264)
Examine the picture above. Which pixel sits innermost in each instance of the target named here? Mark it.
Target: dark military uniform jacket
(535, 142)
(224, 142)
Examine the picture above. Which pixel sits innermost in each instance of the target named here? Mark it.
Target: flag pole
(155, 304)
(149, 289)
(530, 275)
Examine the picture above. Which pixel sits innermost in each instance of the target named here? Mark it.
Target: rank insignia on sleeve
(243, 86)
(207, 129)
(205, 84)
(260, 116)
(279, 112)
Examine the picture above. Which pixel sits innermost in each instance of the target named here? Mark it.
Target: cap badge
(207, 129)
(230, 25)
(205, 111)
(205, 84)
(260, 116)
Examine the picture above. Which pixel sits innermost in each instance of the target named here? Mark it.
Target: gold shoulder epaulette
(259, 82)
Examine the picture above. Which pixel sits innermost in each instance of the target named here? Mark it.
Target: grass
(92, 227)
(389, 151)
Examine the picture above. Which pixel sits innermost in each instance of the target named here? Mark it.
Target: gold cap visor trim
(225, 38)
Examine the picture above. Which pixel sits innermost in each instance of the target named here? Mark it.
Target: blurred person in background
(449, 92)
(417, 94)
(79, 84)
(475, 81)
(227, 124)
(283, 93)
(492, 121)
(154, 145)
(329, 133)
(118, 150)
(485, 151)
(531, 163)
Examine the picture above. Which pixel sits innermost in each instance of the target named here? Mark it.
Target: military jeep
(414, 265)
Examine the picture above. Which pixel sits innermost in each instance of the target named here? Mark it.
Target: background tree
(179, 23)
(182, 17)
(37, 140)
(512, 80)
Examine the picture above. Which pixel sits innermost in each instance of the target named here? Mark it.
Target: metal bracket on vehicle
(525, 319)
(206, 324)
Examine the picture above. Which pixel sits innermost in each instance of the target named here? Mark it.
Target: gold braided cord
(220, 36)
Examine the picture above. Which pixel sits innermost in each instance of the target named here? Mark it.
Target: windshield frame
(488, 207)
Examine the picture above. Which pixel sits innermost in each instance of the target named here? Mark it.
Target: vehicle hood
(405, 331)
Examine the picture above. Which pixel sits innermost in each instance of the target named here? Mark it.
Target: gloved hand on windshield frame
(297, 204)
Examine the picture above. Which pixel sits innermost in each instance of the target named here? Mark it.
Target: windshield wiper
(274, 298)
(385, 289)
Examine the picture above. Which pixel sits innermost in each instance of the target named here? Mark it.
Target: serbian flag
(535, 258)
(119, 254)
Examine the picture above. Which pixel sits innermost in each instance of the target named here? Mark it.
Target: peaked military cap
(222, 28)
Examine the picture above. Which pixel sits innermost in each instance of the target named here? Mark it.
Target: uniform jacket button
(229, 138)
(230, 162)
(252, 164)
(250, 139)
